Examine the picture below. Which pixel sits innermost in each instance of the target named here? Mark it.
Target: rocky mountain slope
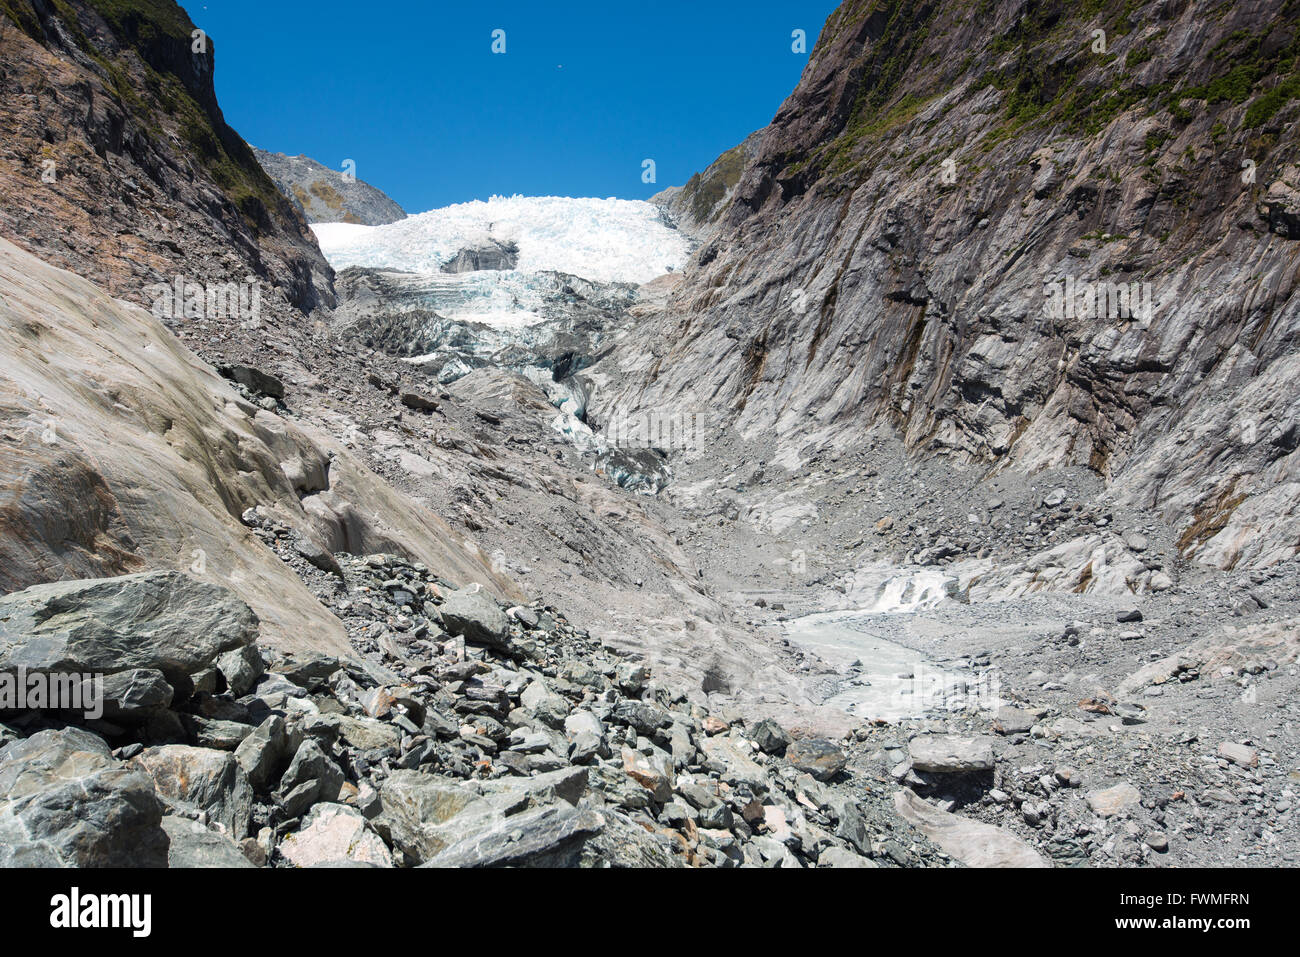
(324, 195)
(116, 161)
(890, 255)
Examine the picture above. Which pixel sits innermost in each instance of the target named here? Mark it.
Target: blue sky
(585, 92)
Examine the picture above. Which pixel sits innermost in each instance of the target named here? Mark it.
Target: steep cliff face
(954, 229)
(324, 195)
(116, 161)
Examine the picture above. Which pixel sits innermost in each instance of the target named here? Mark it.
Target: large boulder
(164, 621)
(312, 777)
(971, 842)
(264, 753)
(543, 837)
(201, 779)
(951, 753)
(67, 803)
(817, 757)
(473, 613)
(416, 809)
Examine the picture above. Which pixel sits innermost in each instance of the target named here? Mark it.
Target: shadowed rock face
(116, 161)
(324, 195)
(892, 252)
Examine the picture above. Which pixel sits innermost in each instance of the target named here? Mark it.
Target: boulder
(195, 845)
(132, 697)
(241, 668)
(769, 736)
(67, 803)
(473, 613)
(544, 837)
(201, 779)
(652, 771)
(334, 834)
(264, 754)
(548, 706)
(312, 777)
(1239, 754)
(415, 810)
(164, 621)
(950, 753)
(817, 757)
(971, 842)
(1115, 800)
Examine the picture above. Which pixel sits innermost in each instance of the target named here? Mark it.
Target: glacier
(603, 240)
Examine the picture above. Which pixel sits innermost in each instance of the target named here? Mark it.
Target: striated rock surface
(120, 451)
(897, 253)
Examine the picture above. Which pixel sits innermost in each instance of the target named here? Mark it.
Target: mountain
(116, 161)
(914, 486)
(897, 252)
(324, 195)
(696, 207)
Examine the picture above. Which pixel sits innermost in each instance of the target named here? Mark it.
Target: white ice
(603, 240)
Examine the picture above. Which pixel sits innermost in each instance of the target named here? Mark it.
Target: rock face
(128, 173)
(490, 254)
(65, 802)
(855, 282)
(324, 195)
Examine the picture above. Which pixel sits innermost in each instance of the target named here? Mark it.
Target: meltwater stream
(886, 681)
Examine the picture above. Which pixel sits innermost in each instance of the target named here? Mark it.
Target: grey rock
(133, 696)
(489, 254)
(264, 754)
(254, 379)
(67, 803)
(201, 779)
(164, 621)
(769, 736)
(816, 756)
(950, 754)
(312, 777)
(473, 613)
(194, 845)
(645, 718)
(548, 706)
(241, 668)
(544, 837)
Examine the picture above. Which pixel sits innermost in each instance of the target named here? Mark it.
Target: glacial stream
(883, 680)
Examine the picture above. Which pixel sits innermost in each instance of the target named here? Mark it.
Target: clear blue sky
(586, 91)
